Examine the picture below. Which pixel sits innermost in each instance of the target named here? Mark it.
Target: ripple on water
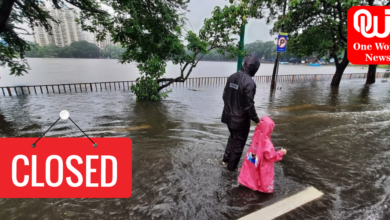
(337, 141)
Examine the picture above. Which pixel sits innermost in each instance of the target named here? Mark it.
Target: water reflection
(365, 94)
(6, 128)
(334, 98)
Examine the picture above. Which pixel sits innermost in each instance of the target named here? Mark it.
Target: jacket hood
(266, 126)
(251, 64)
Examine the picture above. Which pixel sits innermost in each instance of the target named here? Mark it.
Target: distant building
(40, 35)
(64, 33)
(108, 41)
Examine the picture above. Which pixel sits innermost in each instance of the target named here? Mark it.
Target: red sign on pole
(65, 168)
(368, 35)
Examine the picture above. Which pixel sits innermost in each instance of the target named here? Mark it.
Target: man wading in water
(239, 109)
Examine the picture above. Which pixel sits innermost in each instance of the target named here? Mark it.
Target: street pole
(276, 65)
(242, 36)
(275, 72)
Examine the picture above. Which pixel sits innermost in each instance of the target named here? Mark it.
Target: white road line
(285, 205)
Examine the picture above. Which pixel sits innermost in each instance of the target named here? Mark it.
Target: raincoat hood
(251, 64)
(267, 126)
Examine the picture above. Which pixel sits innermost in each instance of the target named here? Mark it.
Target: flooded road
(337, 141)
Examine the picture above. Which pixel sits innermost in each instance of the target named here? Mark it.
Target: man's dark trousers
(235, 147)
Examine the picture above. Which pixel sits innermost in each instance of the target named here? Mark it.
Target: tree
(256, 47)
(269, 50)
(35, 51)
(217, 34)
(84, 49)
(145, 28)
(16, 12)
(113, 51)
(371, 73)
(318, 27)
(78, 49)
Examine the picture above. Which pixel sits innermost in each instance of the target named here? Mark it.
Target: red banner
(65, 168)
(368, 35)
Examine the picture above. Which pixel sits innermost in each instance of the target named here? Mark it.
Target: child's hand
(284, 151)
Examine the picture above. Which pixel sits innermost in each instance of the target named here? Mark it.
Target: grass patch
(366, 66)
(384, 66)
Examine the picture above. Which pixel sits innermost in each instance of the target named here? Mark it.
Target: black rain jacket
(240, 89)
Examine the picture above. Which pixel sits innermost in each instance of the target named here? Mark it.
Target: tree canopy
(82, 49)
(219, 33)
(144, 28)
(314, 27)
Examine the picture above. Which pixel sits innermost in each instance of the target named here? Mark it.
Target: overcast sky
(201, 9)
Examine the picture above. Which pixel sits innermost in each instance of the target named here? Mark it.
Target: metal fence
(189, 83)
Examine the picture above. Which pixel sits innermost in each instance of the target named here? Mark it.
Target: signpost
(281, 46)
(282, 42)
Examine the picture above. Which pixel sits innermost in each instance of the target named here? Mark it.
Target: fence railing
(189, 83)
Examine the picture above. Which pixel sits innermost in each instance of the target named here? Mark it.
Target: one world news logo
(368, 35)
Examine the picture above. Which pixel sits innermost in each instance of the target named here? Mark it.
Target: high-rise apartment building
(63, 33)
(108, 41)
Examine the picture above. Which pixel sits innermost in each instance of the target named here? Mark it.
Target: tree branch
(5, 12)
(180, 78)
(170, 81)
(87, 6)
(340, 26)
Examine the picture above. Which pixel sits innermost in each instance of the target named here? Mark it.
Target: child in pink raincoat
(257, 172)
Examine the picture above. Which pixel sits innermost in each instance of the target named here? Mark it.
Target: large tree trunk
(340, 67)
(371, 74)
(5, 12)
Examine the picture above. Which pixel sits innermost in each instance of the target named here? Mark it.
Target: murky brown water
(337, 141)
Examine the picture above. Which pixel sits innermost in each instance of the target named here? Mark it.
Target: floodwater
(337, 141)
(64, 71)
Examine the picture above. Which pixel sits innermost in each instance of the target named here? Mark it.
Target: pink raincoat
(257, 170)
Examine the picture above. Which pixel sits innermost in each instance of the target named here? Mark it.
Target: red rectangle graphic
(65, 168)
(368, 35)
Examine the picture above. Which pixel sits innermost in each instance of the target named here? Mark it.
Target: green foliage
(269, 10)
(9, 53)
(266, 50)
(79, 49)
(146, 29)
(15, 13)
(311, 41)
(221, 31)
(150, 32)
(113, 51)
(316, 27)
(147, 86)
(217, 34)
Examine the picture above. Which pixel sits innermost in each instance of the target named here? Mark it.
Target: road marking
(286, 205)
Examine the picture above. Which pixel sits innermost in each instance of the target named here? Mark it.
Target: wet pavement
(337, 141)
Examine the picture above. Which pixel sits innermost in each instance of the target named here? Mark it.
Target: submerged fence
(189, 83)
